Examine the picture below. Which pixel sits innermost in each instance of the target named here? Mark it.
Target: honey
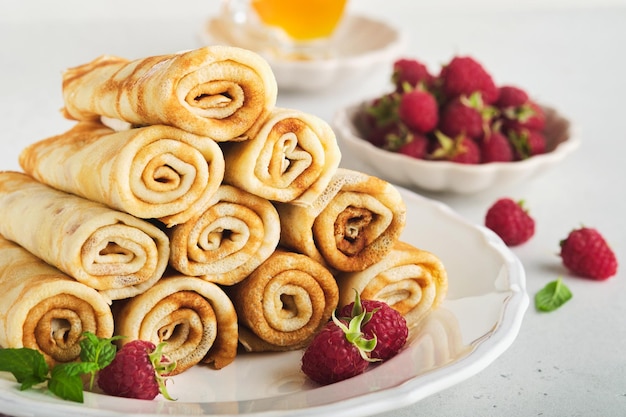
(301, 20)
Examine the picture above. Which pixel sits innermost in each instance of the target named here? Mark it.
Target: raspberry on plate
(511, 221)
(586, 253)
(383, 322)
(137, 371)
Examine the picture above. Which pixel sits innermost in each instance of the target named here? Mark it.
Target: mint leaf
(28, 366)
(97, 352)
(65, 383)
(552, 296)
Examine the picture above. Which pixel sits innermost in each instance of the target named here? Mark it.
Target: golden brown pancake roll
(284, 302)
(291, 159)
(195, 317)
(157, 171)
(353, 224)
(229, 240)
(217, 91)
(42, 308)
(111, 251)
(411, 280)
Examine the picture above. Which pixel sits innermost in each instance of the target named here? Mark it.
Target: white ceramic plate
(478, 321)
(444, 176)
(361, 44)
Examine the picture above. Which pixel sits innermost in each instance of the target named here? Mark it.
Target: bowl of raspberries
(455, 131)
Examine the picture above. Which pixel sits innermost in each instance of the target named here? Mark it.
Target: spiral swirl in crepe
(42, 308)
(152, 172)
(217, 91)
(354, 223)
(411, 280)
(229, 240)
(284, 302)
(113, 252)
(195, 317)
(291, 159)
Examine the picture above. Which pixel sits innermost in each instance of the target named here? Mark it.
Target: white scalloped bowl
(444, 176)
(361, 45)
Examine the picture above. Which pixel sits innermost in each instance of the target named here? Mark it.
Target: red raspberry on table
(410, 72)
(419, 111)
(463, 75)
(137, 371)
(585, 253)
(386, 324)
(511, 221)
(460, 149)
(495, 147)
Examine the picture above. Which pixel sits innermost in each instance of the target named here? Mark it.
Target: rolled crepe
(291, 159)
(195, 317)
(352, 225)
(284, 302)
(217, 91)
(42, 308)
(113, 252)
(151, 172)
(229, 240)
(411, 280)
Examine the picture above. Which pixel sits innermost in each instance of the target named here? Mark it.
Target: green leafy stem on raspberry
(64, 380)
(359, 316)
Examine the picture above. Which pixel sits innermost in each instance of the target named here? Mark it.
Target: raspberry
(136, 371)
(460, 117)
(386, 324)
(527, 142)
(419, 111)
(461, 149)
(464, 76)
(416, 147)
(495, 147)
(330, 357)
(511, 96)
(585, 253)
(529, 115)
(511, 221)
(412, 73)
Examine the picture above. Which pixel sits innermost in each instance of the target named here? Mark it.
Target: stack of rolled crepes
(42, 308)
(205, 216)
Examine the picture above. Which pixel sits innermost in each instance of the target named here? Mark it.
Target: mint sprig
(29, 367)
(552, 296)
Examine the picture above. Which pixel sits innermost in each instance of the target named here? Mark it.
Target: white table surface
(571, 362)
